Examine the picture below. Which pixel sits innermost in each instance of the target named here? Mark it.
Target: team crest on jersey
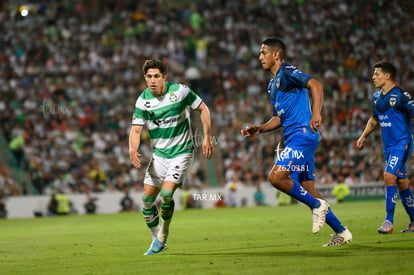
(393, 101)
(277, 83)
(173, 97)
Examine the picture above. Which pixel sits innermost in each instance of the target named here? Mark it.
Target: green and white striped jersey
(168, 119)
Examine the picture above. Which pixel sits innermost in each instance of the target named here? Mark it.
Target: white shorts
(162, 169)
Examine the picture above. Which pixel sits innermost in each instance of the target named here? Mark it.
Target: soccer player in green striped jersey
(164, 107)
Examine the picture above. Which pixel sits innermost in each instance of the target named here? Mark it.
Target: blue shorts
(298, 157)
(396, 163)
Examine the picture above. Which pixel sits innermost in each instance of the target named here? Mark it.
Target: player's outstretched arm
(369, 128)
(208, 149)
(134, 141)
(252, 131)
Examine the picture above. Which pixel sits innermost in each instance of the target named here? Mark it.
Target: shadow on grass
(271, 251)
(350, 250)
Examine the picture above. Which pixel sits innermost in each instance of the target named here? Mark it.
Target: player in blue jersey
(393, 109)
(293, 170)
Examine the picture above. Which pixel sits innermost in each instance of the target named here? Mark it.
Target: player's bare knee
(278, 178)
(390, 179)
(402, 184)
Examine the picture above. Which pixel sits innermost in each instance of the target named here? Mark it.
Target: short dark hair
(275, 43)
(154, 64)
(386, 67)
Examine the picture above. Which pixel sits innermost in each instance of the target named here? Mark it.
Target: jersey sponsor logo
(383, 117)
(280, 112)
(393, 101)
(165, 121)
(385, 124)
(147, 104)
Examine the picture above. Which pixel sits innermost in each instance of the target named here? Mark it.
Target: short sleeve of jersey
(297, 78)
(374, 99)
(407, 103)
(193, 100)
(139, 115)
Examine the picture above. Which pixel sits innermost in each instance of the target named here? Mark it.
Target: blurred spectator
(259, 196)
(59, 204)
(7, 185)
(127, 203)
(66, 75)
(52, 205)
(16, 146)
(90, 204)
(3, 209)
(341, 190)
(233, 186)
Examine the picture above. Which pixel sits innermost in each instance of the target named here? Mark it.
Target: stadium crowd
(69, 79)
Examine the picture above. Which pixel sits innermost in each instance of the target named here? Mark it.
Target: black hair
(154, 64)
(386, 67)
(277, 44)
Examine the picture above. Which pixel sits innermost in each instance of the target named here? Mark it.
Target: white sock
(164, 230)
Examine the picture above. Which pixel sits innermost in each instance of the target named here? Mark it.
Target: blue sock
(391, 193)
(408, 202)
(333, 221)
(299, 193)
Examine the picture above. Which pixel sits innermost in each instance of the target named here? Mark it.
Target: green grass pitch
(258, 240)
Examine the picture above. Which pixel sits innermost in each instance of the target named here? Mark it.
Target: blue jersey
(290, 100)
(394, 111)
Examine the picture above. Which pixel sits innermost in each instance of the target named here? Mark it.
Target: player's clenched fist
(250, 131)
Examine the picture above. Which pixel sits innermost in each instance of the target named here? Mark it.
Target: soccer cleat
(340, 238)
(386, 227)
(318, 216)
(156, 247)
(409, 229)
